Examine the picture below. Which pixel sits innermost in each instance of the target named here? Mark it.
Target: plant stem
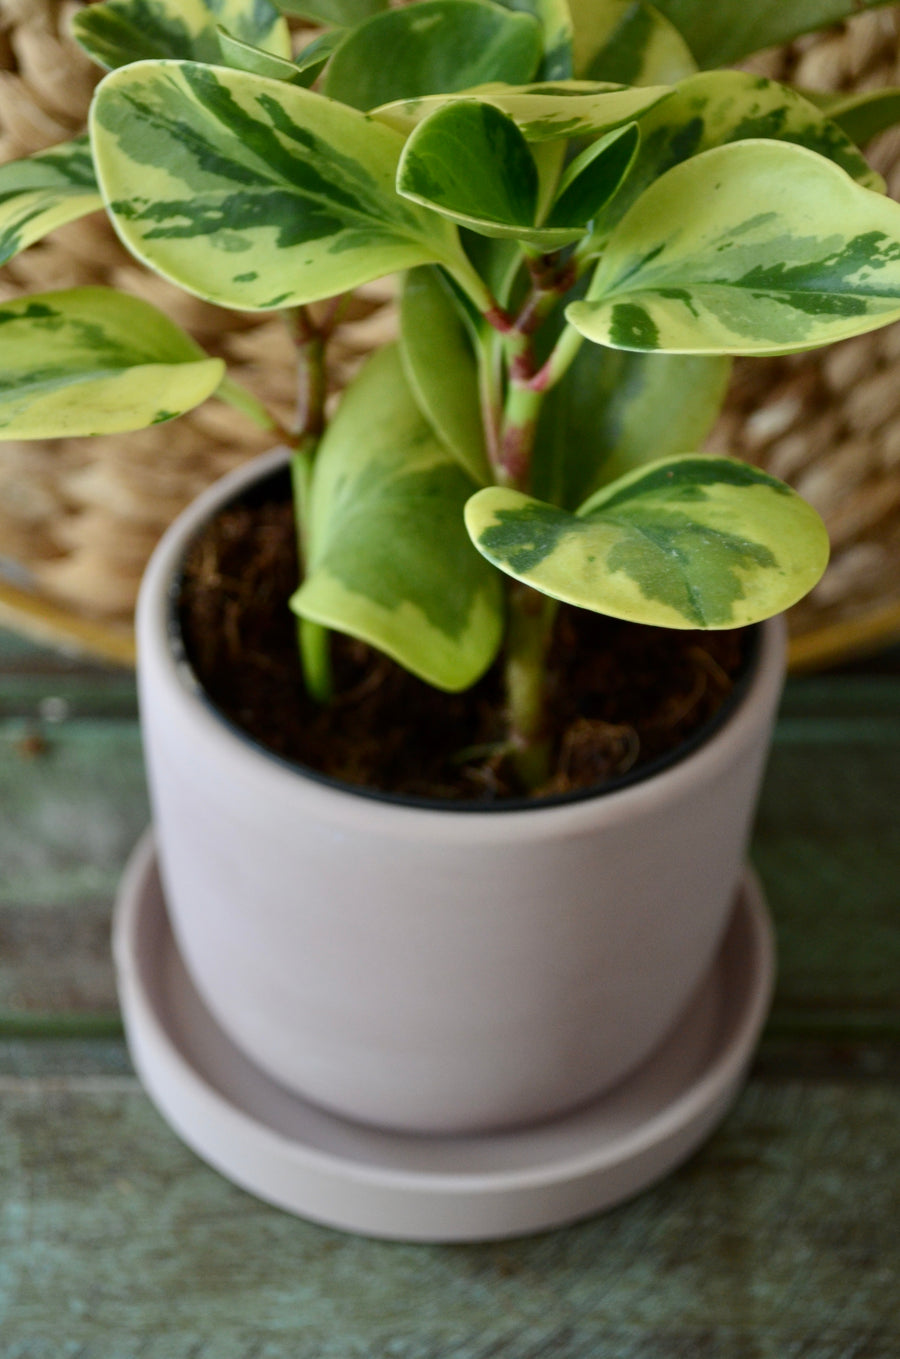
(530, 626)
(235, 394)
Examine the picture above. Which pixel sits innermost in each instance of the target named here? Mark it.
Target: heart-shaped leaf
(629, 42)
(389, 559)
(470, 163)
(118, 32)
(434, 47)
(44, 192)
(615, 411)
(570, 108)
(717, 108)
(690, 542)
(251, 192)
(721, 33)
(441, 368)
(760, 271)
(94, 361)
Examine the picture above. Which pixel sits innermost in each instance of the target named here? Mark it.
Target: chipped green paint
(717, 108)
(629, 42)
(542, 112)
(389, 559)
(44, 192)
(689, 542)
(433, 47)
(93, 361)
(441, 368)
(759, 271)
(198, 165)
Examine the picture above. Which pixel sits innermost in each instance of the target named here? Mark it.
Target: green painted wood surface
(779, 1240)
(119, 1240)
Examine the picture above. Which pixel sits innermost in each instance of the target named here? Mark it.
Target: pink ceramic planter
(436, 969)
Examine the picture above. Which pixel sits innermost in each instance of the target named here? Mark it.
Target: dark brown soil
(622, 694)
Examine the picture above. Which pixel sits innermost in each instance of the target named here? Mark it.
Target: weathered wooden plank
(777, 1241)
(70, 810)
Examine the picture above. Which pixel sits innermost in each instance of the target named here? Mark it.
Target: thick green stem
(531, 617)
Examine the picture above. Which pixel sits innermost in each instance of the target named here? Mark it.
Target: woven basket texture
(78, 518)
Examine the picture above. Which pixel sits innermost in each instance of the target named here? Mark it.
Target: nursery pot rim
(159, 596)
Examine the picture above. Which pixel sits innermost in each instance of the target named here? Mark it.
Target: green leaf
(594, 177)
(690, 542)
(570, 108)
(629, 42)
(243, 56)
(256, 22)
(615, 411)
(434, 47)
(344, 13)
(863, 114)
(94, 361)
(441, 368)
(253, 193)
(118, 32)
(788, 253)
(717, 108)
(44, 192)
(555, 19)
(721, 33)
(389, 558)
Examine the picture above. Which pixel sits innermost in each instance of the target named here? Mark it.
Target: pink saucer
(427, 1188)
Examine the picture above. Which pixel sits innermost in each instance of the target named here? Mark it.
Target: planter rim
(351, 803)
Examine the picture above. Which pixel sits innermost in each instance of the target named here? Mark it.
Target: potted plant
(589, 227)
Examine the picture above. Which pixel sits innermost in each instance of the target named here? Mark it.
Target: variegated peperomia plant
(589, 224)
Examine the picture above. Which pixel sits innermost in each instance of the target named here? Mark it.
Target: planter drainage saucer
(432, 1188)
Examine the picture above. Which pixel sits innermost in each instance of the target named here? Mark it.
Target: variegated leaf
(343, 13)
(441, 368)
(118, 32)
(389, 560)
(862, 114)
(722, 32)
(629, 42)
(257, 22)
(555, 19)
(614, 412)
(44, 192)
(243, 56)
(433, 47)
(253, 193)
(690, 542)
(94, 361)
(717, 108)
(569, 108)
(788, 254)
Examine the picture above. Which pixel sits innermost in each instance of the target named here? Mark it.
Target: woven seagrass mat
(78, 518)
